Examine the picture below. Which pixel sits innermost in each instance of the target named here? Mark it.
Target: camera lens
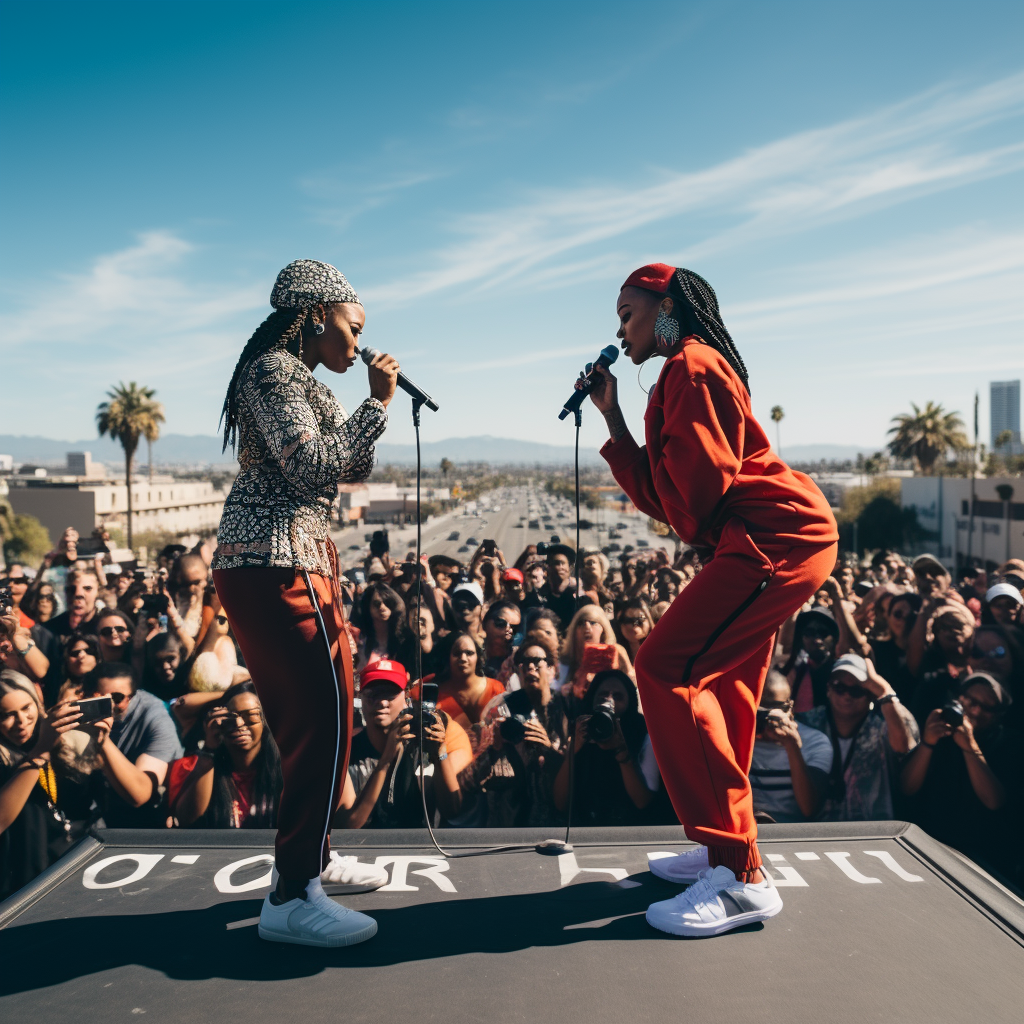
(601, 726)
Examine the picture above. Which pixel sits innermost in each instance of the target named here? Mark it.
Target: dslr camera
(520, 711)
(155, 604)
(953, 713)
(428, 700)
(601, 726)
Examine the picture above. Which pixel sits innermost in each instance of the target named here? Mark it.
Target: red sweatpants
(288, 625)
(700, 675)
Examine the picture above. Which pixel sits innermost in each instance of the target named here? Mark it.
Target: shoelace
(702, 891)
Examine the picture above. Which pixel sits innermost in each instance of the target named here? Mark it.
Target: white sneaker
(716, 903)
(315, 921)
(683, 868)
(345, 875)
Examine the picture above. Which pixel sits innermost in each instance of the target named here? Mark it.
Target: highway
(505, 516)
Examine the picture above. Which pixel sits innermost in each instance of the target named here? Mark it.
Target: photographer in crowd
(967, 773)
(789, 772)
(870, 732)
(608, 787)
(137, 745)
(382, 789)
(235, 780)
(514, 775)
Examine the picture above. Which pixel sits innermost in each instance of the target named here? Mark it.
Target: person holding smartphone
(42, 811)
(709, 472)
(276, 570)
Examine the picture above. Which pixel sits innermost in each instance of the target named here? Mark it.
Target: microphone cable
(546, 846)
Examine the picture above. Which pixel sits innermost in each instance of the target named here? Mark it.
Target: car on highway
(534, 524)
(611, 548)
(472, 540)
(454, 535)
(614, 535)
(463, 549)
(641, 543)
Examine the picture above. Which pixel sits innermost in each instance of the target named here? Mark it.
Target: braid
(279, 330)
(701, 304)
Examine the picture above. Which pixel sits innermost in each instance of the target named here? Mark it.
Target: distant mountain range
(200, 450)
(204, 450)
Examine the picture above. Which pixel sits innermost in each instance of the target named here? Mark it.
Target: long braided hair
(696, 309)
(283, 329)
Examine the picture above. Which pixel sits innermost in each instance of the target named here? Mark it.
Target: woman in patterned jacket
(276, 572)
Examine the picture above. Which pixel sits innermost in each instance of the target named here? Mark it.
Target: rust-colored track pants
(288, 624)
(700, 674)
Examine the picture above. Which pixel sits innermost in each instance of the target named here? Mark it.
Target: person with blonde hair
(590, 647)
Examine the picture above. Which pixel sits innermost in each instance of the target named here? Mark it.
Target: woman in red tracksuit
(708, 472)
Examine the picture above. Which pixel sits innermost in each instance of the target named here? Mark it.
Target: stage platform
(881, 923)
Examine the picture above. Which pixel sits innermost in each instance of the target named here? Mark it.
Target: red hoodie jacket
(707, 460)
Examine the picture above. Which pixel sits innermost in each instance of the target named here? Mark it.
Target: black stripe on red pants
(288, 625)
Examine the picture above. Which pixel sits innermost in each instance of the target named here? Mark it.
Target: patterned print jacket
(294, 446)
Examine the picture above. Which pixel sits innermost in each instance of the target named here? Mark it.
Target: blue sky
(847, 176)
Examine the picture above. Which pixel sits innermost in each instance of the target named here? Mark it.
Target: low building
(944, 508)
(181, 507)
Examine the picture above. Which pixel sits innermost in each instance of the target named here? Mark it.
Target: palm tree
(777, 416)
(152, 429)
(128, 415)
(446, 467)
(926, 435)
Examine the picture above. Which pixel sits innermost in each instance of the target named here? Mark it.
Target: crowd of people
(497, 693)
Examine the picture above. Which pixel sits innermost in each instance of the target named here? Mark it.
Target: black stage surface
(881, 923)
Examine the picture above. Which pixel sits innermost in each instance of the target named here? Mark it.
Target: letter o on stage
(222, 880)
(144, 863)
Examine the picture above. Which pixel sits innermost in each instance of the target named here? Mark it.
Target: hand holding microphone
(595, 381)
(382, 371)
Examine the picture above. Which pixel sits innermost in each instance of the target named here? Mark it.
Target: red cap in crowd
(384, 671)
(655, 277)
(512, 574)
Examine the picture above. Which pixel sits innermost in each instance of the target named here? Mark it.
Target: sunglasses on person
(533, 662)
(501, 623)
(994, 652)
(992, 709)
(118, 698)
(108, 631)
(848, 690)
(232, 719)
(898, 614)
(633, 620)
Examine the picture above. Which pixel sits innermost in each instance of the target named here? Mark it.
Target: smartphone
(489, 547)
(598, 657)
(95, 709)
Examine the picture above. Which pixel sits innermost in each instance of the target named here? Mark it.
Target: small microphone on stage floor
(369, 354)
(586, 384)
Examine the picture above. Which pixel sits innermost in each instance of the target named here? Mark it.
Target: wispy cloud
(143, 286)
(802, 181)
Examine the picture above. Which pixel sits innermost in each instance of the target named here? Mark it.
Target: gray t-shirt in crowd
(146, 728)
(771, 780)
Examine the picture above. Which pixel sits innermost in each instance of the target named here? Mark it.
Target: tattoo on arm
(617, 428)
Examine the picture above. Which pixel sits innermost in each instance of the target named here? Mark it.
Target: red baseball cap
(655, 277)
(384, 671)
(512, 574)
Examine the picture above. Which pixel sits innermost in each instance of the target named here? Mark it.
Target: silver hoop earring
(318, 328)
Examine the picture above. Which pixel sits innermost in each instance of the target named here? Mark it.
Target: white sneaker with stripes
(315, 921)
(683, 868)
(717, 902)
(345, 876)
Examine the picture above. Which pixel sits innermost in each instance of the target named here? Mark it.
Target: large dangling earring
(666, 332)
(318, 328)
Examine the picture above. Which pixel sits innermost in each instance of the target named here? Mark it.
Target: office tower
(1004, 409)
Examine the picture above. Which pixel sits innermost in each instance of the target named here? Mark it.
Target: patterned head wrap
(304, 283)
(695, 307)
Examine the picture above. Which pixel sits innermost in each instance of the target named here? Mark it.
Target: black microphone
(369, 354)
(586, 384)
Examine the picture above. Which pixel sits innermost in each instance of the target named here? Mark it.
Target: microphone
(586, 384)
(418, 394)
